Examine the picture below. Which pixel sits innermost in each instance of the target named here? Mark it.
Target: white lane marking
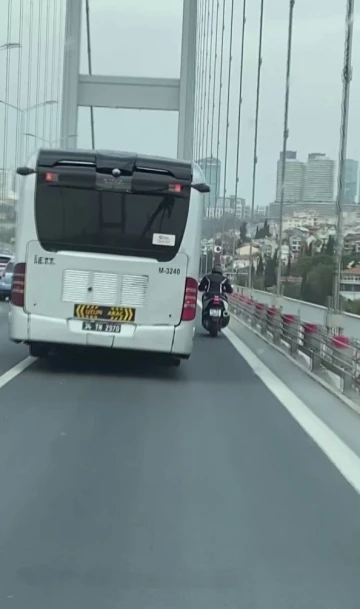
(16, 370)
(342, 457)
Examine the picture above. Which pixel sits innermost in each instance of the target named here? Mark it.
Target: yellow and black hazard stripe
(121, 314)
(88, 311)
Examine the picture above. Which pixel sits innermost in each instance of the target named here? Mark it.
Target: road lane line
(8, 376)
(344, 459)
(341, 456)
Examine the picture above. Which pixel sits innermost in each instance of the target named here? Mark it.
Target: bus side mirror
(203, 188)
(25, 171)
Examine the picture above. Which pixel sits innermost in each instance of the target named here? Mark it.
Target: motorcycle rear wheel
(213, 331)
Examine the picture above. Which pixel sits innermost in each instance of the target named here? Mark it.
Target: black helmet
(217, 269)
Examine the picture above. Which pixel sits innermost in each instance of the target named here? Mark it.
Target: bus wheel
(174, 362)
(39, 349)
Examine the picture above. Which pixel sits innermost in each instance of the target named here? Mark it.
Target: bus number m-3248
(169, 270)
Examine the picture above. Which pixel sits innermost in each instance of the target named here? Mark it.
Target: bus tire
(40, 350)
(174, 362)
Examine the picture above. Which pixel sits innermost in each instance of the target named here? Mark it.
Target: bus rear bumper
(161, 339)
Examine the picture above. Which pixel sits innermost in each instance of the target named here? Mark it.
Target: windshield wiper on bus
(202, 188)
(164, 206)
(149, 189)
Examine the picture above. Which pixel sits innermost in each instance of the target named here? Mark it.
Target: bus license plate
(101, 326)
(215, 313)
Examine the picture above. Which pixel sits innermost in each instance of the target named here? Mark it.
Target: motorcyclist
(215, 283)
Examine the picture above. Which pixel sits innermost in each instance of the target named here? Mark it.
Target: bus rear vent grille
(108, 289)
(134, 290)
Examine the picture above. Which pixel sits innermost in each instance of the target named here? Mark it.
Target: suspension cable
(202, 80)
(46, 68)
(61, 31)
(285, 139)
(346, 77)
(207, 118)
(237, 177)
(214, 197)
(92, 124)
(207, 143)
(53, 74)
(38, 70)
(255, 160)
(205, 88)
(29, 77)
(217, 185)
(19, 135)
(198, 78)
(7, 91)
(227, 118)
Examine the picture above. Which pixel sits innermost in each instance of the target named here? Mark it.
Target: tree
(243, 232)
(330, 246)
(288, 266)
(270, 273)
(253, 274)
(257, 233)
(266, 229)
(308, 249)
(350, 258)
(319, 283)
(353, 307)
(7, 235)
(260, 266)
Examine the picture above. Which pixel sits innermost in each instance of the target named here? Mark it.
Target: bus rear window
(124, 224)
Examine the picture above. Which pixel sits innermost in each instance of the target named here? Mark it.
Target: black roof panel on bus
(128, 162)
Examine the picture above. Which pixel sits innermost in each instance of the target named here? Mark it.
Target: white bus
(107, 252)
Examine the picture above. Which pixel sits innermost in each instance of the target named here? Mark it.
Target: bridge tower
(102, 91)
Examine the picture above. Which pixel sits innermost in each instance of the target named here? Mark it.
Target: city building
(352, 241)
(319, 178)
(4, 184)
(212, 171)
(294, 178)
(351, 181)
(228, 207)
(350, 283)
(320, 208)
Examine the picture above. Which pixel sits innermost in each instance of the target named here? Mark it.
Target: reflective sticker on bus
(162, 239)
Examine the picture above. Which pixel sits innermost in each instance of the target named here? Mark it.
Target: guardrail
(308, 312)
(333, 359)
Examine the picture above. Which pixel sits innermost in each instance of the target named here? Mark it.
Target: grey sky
(144, 39)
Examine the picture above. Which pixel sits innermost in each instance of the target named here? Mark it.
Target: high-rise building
(4, 184)
(319, 178)
(351, 181)
(294, 178)
(212, 171)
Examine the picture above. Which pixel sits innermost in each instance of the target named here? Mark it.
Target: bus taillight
(190, 300)
(18, 285)
(50, 176)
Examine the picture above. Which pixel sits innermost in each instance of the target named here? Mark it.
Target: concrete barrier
(307, 311)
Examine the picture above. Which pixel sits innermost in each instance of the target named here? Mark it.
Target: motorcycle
(215, 315)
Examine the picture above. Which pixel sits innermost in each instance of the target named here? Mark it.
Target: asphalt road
(10, 354)
(127, 486)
